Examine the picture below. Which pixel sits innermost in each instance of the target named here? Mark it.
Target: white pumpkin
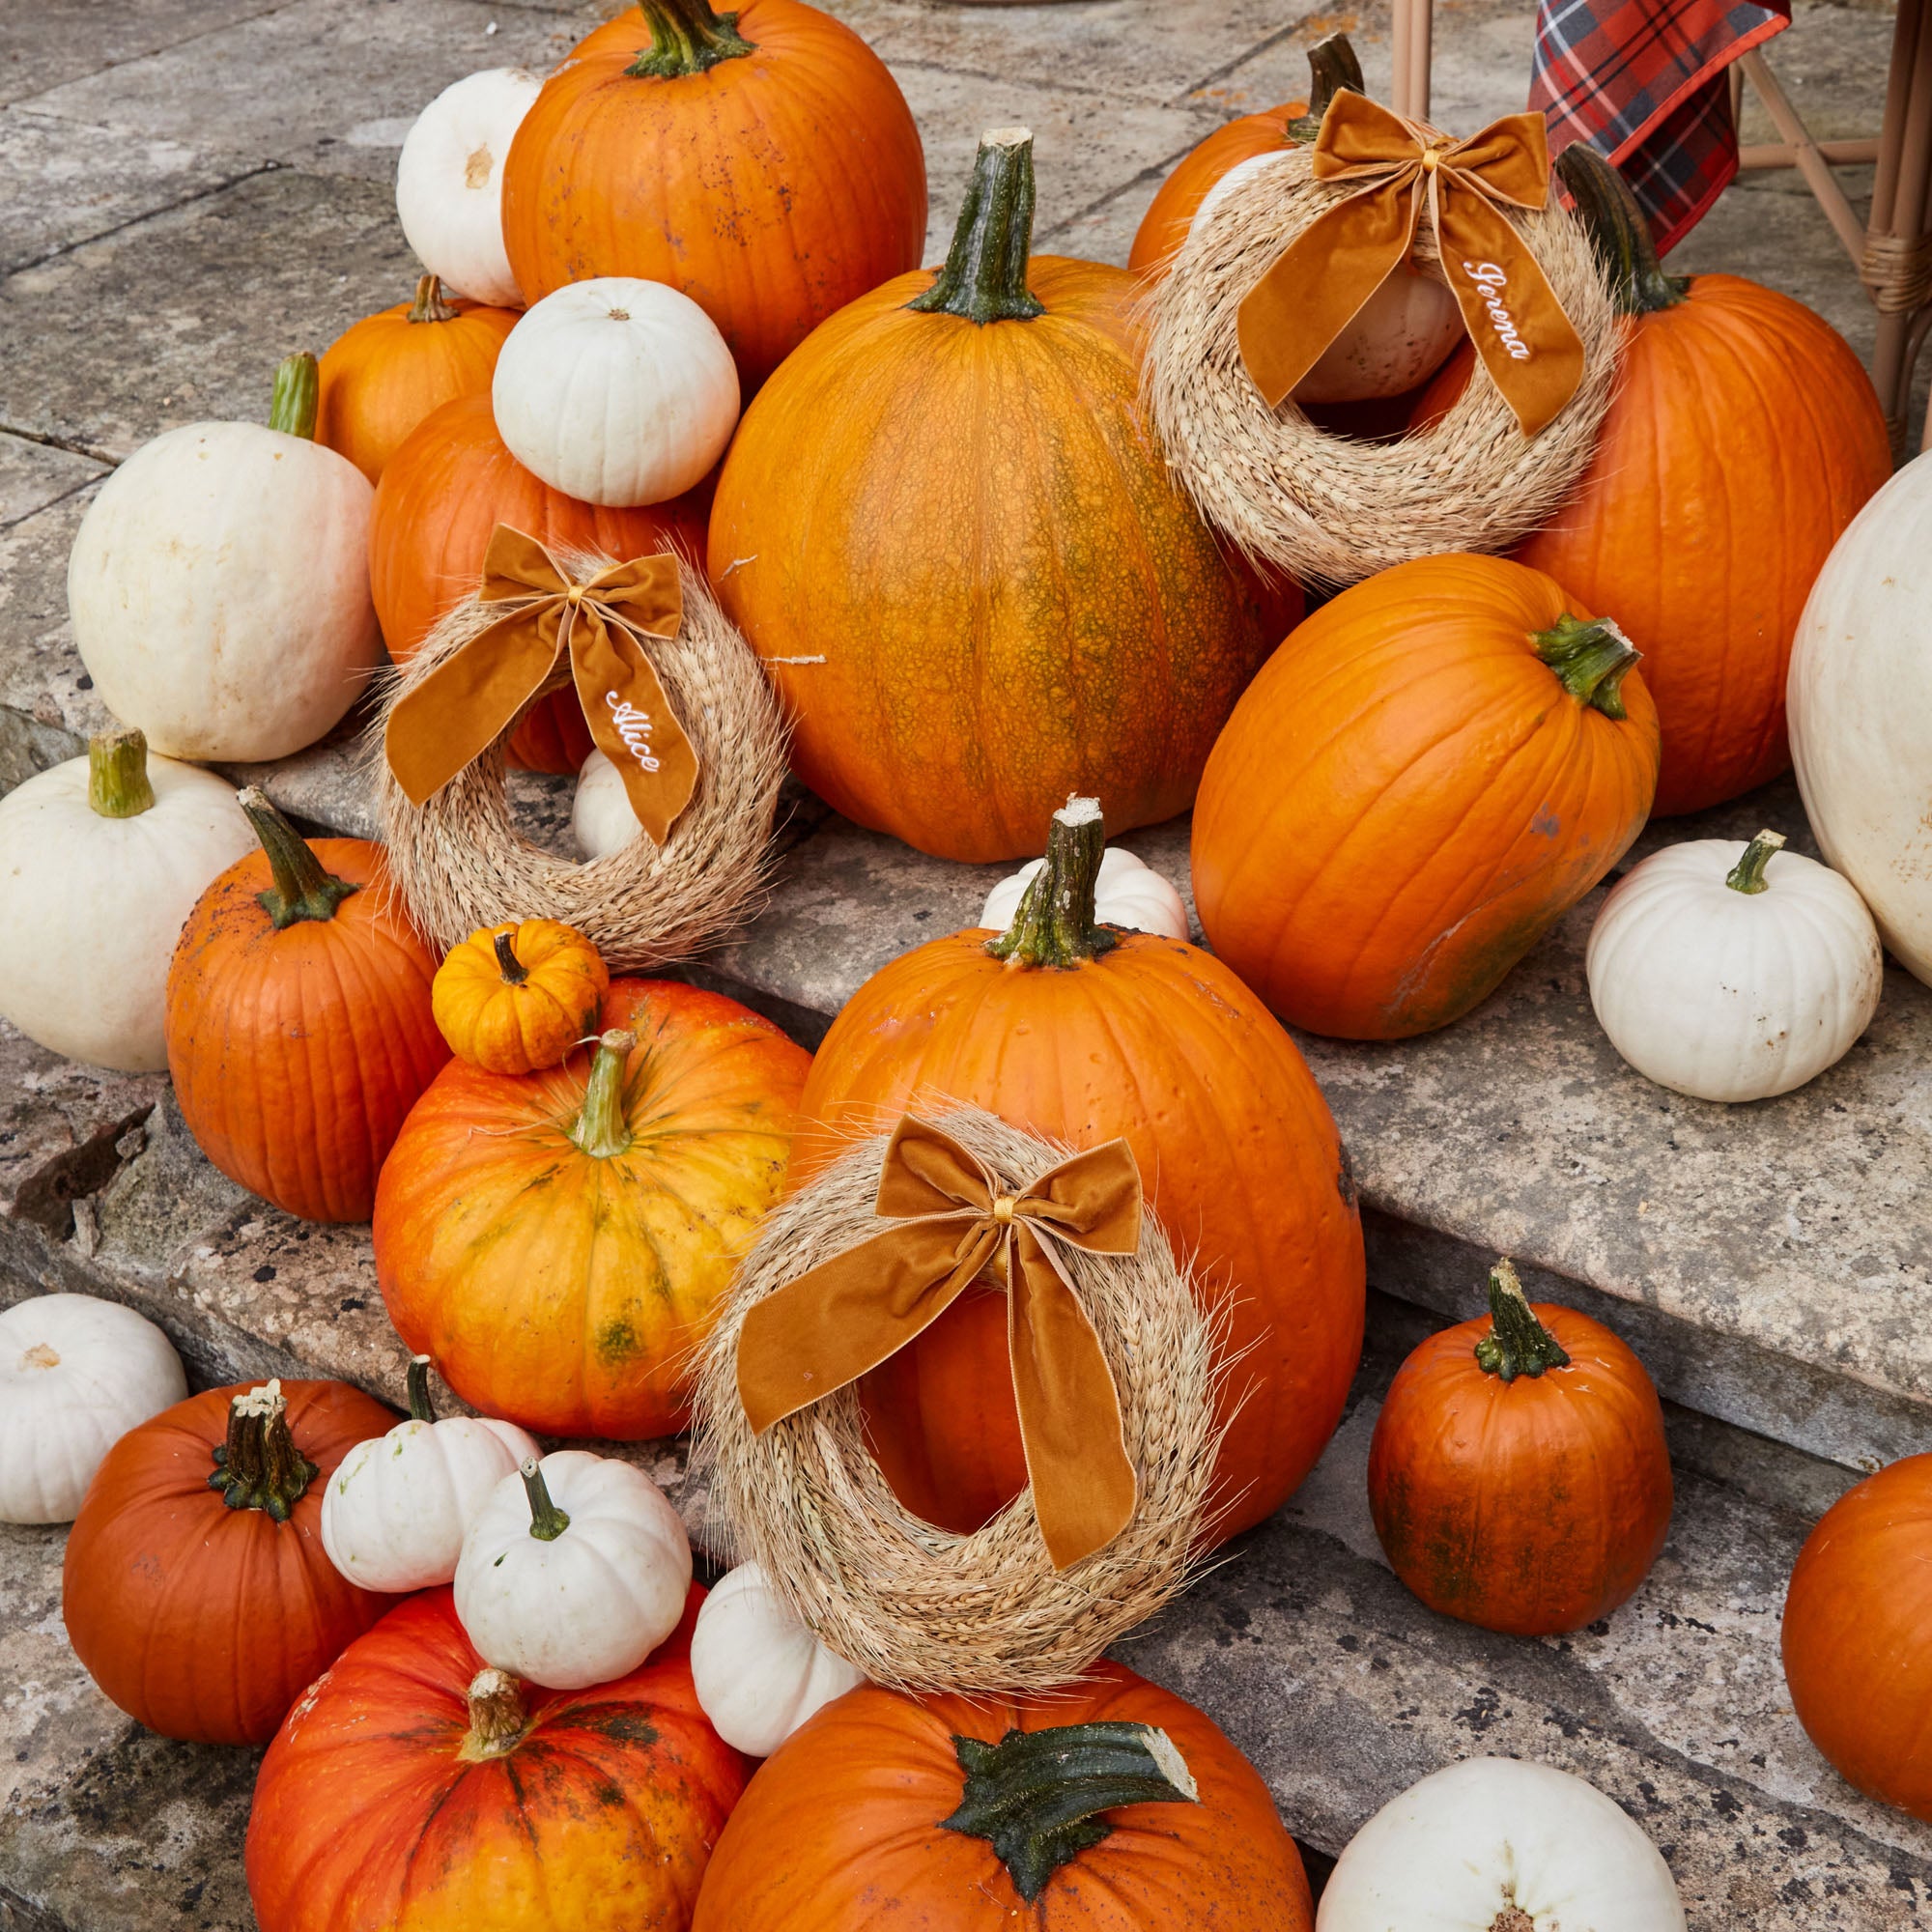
(398, 1506)
(1860, 700)
(1733, 972)
(219, 584)
(102, 859)
(601, 818)
(760, 1672)
(75, 1375)
(574, 1570)
(1127, 892)
(1494, 1843)
(449, 181)
(615, 391)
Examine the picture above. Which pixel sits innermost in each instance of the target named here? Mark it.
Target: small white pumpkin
(760, 1672)
(75, 1375)
(615, 391)
(1860, 700)
(1733, 972)
(1128, 892)
(449, 181)
(601, 818)
(574, 1570)
(102, 859)
(1493, 1842)
(219, 584)
(396, 1510)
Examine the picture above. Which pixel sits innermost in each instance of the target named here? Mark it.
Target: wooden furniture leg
(1412, 21)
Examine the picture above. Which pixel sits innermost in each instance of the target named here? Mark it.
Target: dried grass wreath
(915, 1605)
(1329, 509)
(459, 863)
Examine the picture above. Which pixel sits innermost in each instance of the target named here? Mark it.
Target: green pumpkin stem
(1590, 659)
(498, 1720)
(1036, 1796)
(303, 888)
(1055, 924)
(421, 1408)
(1618, 233)
(117, 774)
(1332, 65)
(687, 38)
(1518, 1344)
(1747, 874)
(599, 1127)
(547, 1521)
(259, 1466)
(984, 278)
(429, 305)
(515, 973)
(298, 395)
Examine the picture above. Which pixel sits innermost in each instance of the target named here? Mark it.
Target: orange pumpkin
(381, 377)
(415, 1787)
(1519, 1477)
(195, 1588)
(558, 1243)
(763, 162)
(515, 999)
(1744, 439)
(1083, 1033)
(1425, 776)
(1109, 1807)
(961, 639)
(298, 1021)
(449, 484)
(1858, 1636)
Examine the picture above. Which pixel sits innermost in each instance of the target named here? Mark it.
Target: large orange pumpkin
(196, 1590)
(1425, 776)
(1858, 1636)
(415, 1787)
(764, 161)
(1083, 1033)
(559, 1243)
(300, 1025)
(1518, 1476)
(381, 377)
(449, 484)
(1743, 438)
(1110, 1806)
(949, 532)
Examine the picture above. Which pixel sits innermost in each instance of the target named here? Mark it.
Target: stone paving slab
(51, 42)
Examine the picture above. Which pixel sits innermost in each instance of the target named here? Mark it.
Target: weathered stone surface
(33, 476)
(56, 41)
(47, 705)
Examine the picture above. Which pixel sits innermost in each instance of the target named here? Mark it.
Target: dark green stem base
(1747, 874)
(687, 38)
(1518, 1344)
(259, 1466)
(416, 1379)
(303, 888)
(984, 278)
(1618, 233)
(547, 1521)
(1590, 660)
(1055, 924)
(298, 395)
(600, 1128)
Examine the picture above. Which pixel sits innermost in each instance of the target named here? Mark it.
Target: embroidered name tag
(633, 726)
(1489, 281)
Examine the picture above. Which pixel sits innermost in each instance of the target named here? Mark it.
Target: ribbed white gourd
(1127, 892)
(760, 1672)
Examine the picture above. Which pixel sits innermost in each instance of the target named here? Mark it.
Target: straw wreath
(913, 1606)
(459, 863)
(1331, 509)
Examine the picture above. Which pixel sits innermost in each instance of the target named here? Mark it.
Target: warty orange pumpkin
(559, 1243)
(1427, 775)
(948, 533)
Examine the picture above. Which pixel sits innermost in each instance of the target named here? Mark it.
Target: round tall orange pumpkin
(763, 162)
(1083, 1033)
(949, 532)
(449, 484)
(559, 1243)
(1426, 776)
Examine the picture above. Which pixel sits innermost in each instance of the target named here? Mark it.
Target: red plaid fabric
(1643, 82)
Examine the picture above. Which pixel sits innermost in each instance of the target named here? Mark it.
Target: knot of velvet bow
(438, 727)
(951, 1223)
(1311, 295)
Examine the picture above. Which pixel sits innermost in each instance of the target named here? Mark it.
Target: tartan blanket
(1643, 82)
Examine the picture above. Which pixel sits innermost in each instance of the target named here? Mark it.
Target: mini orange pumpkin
(515, 999)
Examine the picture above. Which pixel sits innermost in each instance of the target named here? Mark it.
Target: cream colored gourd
(219, 584)
(1860, 702)
(615, 391)
(75, 1375)
(449, 181)
(102, 859)
(601, 818)
(1494, 1843)
(1733, 972)
(398, 1506)
(1128, 892)
(760, 1672)
(573, 1571)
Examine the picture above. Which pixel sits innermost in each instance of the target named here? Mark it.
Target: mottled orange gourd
(515, 999)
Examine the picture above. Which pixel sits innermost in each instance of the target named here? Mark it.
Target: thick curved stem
(304, 889)
(687, 38)
(421, 1408)
(1332, 67)
(117, 774)
(1518, 1344)
(259, 1466)
(547, 1521)
(1055, 924)
(1590, 660)
(984, 278)
(1618, 233)
(298, 393)
(600, 1128)
(498, 1720)
(1747, 874)
(513, 970)
(429, 305)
